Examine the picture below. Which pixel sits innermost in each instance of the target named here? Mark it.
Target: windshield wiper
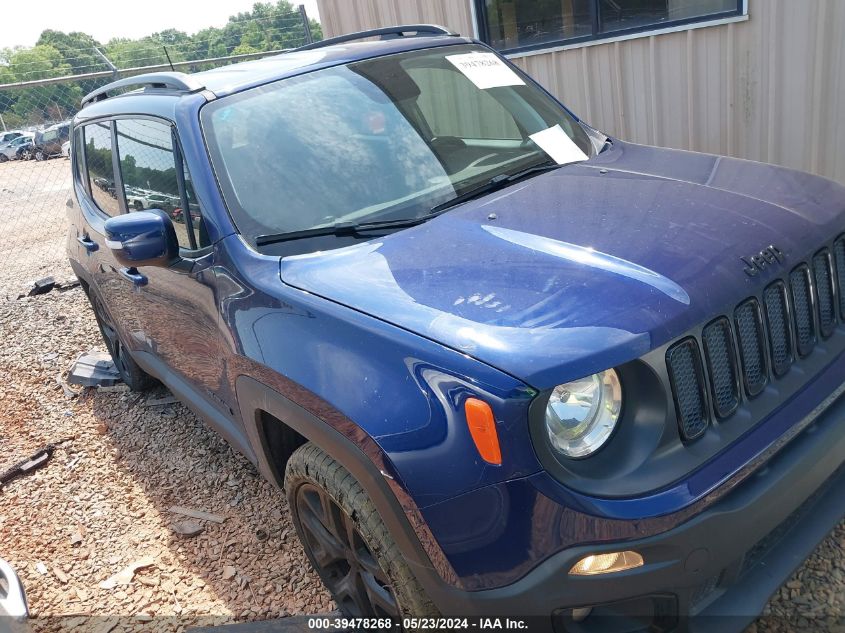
(497, 182)
(339, 229)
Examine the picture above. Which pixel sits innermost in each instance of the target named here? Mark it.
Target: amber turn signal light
(482, 428)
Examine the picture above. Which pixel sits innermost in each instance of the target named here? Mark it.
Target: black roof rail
(181, 82)
(386, 33)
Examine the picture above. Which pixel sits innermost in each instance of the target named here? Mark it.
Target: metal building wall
(769, 89)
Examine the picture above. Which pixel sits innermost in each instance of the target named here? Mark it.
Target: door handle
(132, 274)
(89, 244)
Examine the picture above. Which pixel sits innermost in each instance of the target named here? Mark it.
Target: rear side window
(98, 159)
(150, 169)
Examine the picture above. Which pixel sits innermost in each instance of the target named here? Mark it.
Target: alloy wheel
(341, 557)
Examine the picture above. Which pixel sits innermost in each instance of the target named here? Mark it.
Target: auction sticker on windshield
(485, 70)
(557, 144)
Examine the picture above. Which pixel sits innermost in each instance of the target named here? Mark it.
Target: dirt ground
(104, 500)
(33, 221)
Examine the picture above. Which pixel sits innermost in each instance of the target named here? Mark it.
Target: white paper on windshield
(557, 144)
(485, 70)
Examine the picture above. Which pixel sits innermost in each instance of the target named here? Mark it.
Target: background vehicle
(9, 151)
(48, 143)
(500, 362)
(26, 150)
(66, 149)
(11, 135)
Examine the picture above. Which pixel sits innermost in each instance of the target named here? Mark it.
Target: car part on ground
(27, 466)
(94, 369)
(12, 596)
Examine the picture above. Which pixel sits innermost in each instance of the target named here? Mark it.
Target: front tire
(347, 543)
(130, 372)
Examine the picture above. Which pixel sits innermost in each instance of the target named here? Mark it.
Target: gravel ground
(103, 502)
(33, 221)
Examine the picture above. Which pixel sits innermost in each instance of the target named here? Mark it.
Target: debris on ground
(160, 402)
(41, 286)
(188, 528)
(48, 284)
(27, 466)
(94, 369)
(125, 575)
(197, 514)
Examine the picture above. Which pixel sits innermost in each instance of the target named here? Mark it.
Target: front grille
(687, 377)
(769, 336)
(777, 317)
(839, 260)
(824, 292)
(721, 363)
(802, 309)
(749, 327)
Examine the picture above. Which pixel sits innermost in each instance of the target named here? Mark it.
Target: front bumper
(725, 562)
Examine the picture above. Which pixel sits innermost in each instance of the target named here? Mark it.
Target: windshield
(380, 140)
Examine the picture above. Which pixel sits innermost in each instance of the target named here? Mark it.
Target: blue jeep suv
(500, 362)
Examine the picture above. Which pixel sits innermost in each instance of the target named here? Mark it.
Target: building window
(519, 25)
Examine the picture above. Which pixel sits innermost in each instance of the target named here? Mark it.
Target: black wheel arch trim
(256, 398)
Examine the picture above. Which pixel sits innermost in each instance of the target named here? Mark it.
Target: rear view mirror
(142, 238)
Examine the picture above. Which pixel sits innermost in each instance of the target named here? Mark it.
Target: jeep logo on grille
(756, 264)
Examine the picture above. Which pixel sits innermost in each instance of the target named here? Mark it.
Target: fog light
(606, 563)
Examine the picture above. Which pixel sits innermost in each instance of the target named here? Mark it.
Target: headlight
(582, 414)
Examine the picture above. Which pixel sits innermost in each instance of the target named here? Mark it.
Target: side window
(98, 159)
(461, 107)
(78, 149)
(148, 166)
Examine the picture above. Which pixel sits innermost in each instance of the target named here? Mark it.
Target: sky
(105, 19)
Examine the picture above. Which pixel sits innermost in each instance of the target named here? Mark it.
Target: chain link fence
(40, 91)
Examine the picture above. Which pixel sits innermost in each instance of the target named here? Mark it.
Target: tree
(41, 103)
(76, 49)
(126, 53)
(267, 26)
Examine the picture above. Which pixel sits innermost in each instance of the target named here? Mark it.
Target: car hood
(586, 267)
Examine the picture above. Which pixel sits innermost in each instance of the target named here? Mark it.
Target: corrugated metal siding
(769, 89)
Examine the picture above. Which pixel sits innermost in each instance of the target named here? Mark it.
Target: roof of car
(227, 80)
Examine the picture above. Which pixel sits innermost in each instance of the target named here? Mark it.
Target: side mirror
(142, 238)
